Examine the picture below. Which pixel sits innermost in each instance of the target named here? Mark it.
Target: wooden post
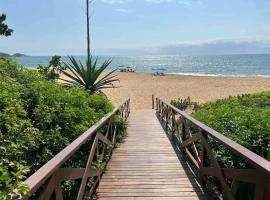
(204, 156)
(153, 101)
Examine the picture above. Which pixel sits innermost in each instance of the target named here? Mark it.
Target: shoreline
(201, 75)
(188, 74)
(140, 87)
(216, 75)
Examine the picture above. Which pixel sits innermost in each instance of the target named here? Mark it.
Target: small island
(2, 54)
(19, 55)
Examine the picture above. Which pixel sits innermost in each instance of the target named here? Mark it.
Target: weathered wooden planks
(146, 166)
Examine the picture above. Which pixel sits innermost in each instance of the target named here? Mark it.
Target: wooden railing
(196, 146)
(46, 182)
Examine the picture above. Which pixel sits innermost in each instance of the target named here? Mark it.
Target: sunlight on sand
(141, 86)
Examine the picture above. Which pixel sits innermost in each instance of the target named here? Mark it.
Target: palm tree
(88, 76)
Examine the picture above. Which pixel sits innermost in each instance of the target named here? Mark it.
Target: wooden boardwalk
(146, 166)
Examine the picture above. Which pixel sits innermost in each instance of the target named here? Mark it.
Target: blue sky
(137, 26)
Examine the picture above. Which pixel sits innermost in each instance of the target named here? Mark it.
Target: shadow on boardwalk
(189, 169)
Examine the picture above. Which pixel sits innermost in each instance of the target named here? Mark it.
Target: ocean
(213, 65)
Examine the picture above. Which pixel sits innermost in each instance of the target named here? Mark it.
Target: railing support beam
(53, 175)
(197, 148)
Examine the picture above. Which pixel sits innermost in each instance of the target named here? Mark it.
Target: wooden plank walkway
(146, 166)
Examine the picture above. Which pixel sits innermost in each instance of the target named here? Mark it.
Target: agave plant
(88, 77)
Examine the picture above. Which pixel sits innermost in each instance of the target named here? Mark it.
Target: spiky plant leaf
(88, 76)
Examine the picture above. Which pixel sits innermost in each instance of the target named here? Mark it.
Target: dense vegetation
(53, 71)
(246, 120)
(185, 104)
(38, 118)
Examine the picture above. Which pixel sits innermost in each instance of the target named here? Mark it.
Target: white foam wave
(217, 75)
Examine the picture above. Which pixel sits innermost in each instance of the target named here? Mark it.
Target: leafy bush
(11, 174)
(38, 118)
(52, 72)
(185, 104)
(246, 120)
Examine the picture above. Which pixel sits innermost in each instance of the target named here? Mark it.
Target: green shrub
(246, 120)
(185, 104)
(53, 71)
(121, 125)
(11, 174)
(38, 118)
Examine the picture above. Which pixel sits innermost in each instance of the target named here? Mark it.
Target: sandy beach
(140, 87)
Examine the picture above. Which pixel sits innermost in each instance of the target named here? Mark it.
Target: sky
(137, 27)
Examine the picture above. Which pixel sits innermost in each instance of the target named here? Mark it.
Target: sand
(140, 87)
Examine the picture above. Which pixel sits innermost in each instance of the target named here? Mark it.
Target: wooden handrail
(36, 180)
(255, 159)
(187, 142)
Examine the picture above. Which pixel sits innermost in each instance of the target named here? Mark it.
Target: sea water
(211, 65)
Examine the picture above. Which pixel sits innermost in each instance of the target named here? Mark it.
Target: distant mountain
(19, 55)
(3, 54)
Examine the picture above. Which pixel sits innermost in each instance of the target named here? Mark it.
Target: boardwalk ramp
(146, 166)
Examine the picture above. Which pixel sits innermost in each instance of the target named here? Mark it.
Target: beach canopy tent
(127, 69)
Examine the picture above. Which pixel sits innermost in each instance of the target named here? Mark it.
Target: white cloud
(226, 46)
(213, 47)
(115, 1)
(160, 1)
(122, 10)
(184, 2)
(187, 3)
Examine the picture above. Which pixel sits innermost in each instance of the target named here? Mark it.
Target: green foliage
(38, 118)
(246, 120)
(9, 67)
(48, 73)
(55, 62)
(121, 127)
(4, 29)
(11, 173)
(184, 104)
(53, 71)
(88, 77)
